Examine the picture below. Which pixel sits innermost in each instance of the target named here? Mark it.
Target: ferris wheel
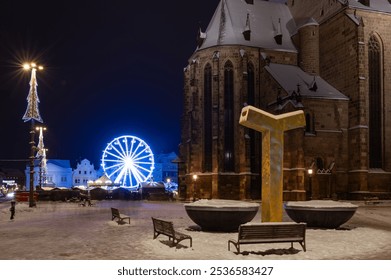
(128, 161)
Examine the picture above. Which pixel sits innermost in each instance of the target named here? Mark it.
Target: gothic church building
(329, 58)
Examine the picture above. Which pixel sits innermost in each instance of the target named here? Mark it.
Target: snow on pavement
(60, 230)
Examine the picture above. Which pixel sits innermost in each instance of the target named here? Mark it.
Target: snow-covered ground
(60, 230)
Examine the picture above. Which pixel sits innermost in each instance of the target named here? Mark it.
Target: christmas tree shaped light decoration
(41, 154)
(32, 111)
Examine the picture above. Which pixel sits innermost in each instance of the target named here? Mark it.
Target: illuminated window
(208, 118)
(375, 103)
(229, 159)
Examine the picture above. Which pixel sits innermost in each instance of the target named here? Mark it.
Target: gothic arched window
(309, 123)
(254, 157)
(229, 160)
(208, 118)
(375, 103)
(319, 163)
(250, 84)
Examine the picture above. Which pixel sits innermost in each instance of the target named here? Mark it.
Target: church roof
(374, 5)
(261, 22)
(290, 77)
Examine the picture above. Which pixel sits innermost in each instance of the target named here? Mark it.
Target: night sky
(112, 68)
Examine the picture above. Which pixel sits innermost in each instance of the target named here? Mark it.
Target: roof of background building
(160, 158)
(375, 5)
(290, 76)
(64, 163)
(230, 21)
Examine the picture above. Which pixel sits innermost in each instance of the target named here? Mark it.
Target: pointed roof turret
(278, 33)
(313, 86)
(200, 37)
(247, 29)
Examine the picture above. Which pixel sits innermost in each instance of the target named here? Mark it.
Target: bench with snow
(167, 228)
(115, 214)
(273, 232)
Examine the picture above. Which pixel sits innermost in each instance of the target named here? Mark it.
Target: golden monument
(272, 128)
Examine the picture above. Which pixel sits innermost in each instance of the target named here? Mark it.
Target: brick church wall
(337, 50)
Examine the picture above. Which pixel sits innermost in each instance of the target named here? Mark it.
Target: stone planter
(221, 215)
(320, 213)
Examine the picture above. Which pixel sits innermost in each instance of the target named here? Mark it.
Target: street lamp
(32, 114)
(195, 177)
(310, 171)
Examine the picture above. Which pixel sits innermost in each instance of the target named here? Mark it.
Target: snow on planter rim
(320, 204)
(221, 203)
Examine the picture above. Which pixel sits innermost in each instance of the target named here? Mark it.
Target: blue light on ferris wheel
(128, 161)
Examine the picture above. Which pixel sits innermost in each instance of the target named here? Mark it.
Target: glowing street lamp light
(195, 177)
(310, 172)
(32, 114)
(28, 66)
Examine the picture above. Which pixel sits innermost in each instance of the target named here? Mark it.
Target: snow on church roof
(375, 5)
(265, 21)
(289, 76)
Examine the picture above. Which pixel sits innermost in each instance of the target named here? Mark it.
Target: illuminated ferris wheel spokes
(128, 160)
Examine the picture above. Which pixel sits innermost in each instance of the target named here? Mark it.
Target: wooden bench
(167, 228)
(277, 232)
(371, 200)
(115, 214)
(86, 202)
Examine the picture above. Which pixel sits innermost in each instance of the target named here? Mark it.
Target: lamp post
(32, 114)
(195, 177)
(310, 171)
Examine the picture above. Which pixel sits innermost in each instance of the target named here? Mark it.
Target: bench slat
(271, 240)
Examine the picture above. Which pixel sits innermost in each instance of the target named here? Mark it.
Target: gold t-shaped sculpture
(272, 128)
